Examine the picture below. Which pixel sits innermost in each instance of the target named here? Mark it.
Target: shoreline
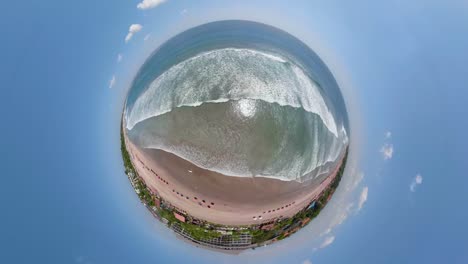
(220, 199)
(227, 214)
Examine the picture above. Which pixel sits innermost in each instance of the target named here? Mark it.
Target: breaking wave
(245, 138)
(231, 74)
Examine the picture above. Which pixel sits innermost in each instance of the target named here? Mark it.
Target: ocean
(240, 98)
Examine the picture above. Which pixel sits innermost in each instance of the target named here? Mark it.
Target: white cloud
(147, 37)
(112, 81)
(388, 134)
(416, 181)
(363, 197)
(358, 176)
(387, 151)
(119, 57)
(327, 241)
(184, 12)
(340, 216)
(307, 261)
(148, 4)
(134, 28)
(345, 206)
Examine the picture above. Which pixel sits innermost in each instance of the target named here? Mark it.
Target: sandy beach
(218, 198)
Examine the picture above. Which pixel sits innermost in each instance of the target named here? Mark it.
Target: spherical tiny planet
(234, 135)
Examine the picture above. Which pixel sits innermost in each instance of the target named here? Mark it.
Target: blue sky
(402, 69)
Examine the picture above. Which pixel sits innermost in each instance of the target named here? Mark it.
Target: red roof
(179, 217)
(268, 227)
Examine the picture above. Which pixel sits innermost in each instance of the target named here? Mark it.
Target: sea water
(240, 98)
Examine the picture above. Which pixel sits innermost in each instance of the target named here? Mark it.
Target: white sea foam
(246, 107)
(226, 149)
(321, 167)
(231, 74)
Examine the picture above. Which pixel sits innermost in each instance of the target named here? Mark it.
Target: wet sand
(218, 198)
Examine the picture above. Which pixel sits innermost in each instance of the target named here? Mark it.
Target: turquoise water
(242, 99)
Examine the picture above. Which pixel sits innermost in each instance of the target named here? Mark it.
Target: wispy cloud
(112, 81)
(387, 148)
(358, 176)
(363, 197)
(184, 12)
(417, 180)
(132, 30)
(345, 205)
(387, 151)
(327, 241)
(388, 135)
(307, 261)
(147, 37)
(119, 57)
(148, 4)
(326, 232)
(341, 217)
